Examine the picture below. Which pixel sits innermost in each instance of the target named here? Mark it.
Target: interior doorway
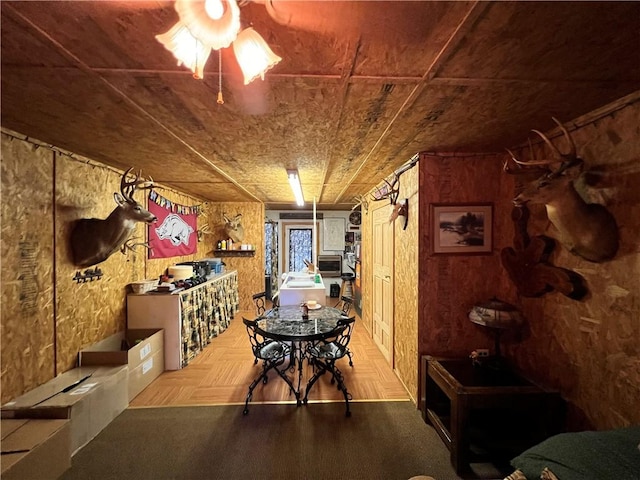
(383, 283)
(297, 246)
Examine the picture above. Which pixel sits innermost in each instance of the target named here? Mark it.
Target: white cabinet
(300, 287)
(190, 318)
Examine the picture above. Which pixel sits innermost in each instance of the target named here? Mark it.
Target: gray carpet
(381, 440)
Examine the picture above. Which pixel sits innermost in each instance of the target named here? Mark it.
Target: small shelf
(234, 253)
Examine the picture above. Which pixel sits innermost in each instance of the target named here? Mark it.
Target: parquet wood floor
(222, 373)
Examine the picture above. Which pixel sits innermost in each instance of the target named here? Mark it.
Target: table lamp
(497, 316)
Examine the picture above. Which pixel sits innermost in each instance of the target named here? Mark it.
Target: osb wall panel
(88, 312)
(27, 331)
(250, 269)
(590, 349)
(406, 286)
(405, 264)
(450, 285)
(44, 191)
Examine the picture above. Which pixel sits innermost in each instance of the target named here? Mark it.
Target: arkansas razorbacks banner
(174, 234)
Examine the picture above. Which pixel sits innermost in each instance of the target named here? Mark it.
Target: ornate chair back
(345, 305)
(260, 301)
(264, 348)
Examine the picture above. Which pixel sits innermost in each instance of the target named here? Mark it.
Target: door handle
(388, 276)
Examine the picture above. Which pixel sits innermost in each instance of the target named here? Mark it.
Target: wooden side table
(485, 406)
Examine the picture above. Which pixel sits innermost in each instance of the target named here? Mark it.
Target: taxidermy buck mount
(391, 190)
(233, 228)
(588, 230)
(94, 240)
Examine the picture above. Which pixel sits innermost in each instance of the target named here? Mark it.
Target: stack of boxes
(43, 428)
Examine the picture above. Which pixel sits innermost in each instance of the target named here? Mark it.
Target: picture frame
(461, 228)
(334, 229)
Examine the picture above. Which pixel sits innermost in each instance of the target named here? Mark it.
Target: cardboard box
(140, 354)
(35, 449)
(91, 397)
(141, 376)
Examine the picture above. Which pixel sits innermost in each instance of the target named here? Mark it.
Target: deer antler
(361, 201)
(128, 188)
(390, 191)
(128, 245)
(202, 231)
(524, 168)
(567, 159)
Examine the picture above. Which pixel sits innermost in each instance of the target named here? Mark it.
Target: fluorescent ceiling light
(294, 181)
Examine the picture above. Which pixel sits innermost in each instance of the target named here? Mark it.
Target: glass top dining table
(286, 323)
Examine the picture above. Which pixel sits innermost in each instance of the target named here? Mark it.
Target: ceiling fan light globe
(254, 55)
(213, 33)
(214, 9)
(185, 48)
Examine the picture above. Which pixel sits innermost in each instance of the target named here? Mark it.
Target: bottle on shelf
(223, 245)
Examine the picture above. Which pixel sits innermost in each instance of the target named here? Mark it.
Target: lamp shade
(187, 49)
(254, 55)
(496, 314)
(213, 33)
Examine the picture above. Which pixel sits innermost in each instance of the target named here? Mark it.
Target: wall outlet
(482, 352)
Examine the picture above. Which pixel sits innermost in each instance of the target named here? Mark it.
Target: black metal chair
(260, 299)
(345, 305)
(272, 353)
(323, 355)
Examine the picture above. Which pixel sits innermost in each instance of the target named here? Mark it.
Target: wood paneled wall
(90, 311)
(250, 269)
(27, 334)
(405, 285)
(450, 285)
(46, 316)
(590, 349)
(433, 294)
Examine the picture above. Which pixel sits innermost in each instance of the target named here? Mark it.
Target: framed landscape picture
(461, 228)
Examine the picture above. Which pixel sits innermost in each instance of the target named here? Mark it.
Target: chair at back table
(272, 353)
(345, 305)
(260, 300)
(324, 354)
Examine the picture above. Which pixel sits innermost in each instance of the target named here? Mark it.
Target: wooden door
(383, 283)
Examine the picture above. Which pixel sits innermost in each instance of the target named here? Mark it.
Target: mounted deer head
(400, 209)
(233, 228)
(93, 240)
(585, 229)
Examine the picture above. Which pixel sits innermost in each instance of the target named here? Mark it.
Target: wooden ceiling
(362, 86)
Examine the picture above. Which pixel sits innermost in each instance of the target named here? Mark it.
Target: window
(300, 242)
